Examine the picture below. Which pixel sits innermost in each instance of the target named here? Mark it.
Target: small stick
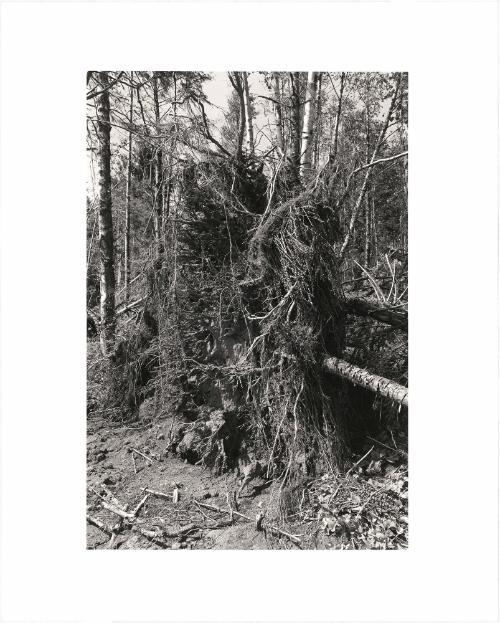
(99, 524)
(402, 452)
(229, 505)
(223, 510)
(292, 537)
(158, 494)
(135, 466)
(113, 499)
(140, 505)
(182, 530)
(117, 511)
(151, 535)
(144, 456)
(111, 542)
(358, 462)
(202, 512)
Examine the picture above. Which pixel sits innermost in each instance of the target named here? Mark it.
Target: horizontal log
(378, 384)
(397, 318)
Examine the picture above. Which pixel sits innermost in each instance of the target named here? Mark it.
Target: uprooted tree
(241, 264)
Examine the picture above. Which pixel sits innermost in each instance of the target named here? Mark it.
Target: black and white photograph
(247, 316)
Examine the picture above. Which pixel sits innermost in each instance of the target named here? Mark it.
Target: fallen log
(117, 511)
(395, 317)
(363, 378)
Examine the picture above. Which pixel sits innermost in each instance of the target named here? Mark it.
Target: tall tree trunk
(158, 200)
(307, 128)
(126, 244)
(317, 136)
(367, 231)
(367, 198)
(294, 161)
(248, 113)
(369, 169)
(106, 245)
(333, 154)
(277, 112)
(235, 79)
(374, 232)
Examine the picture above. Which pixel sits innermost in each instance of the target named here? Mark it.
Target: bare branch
(108, 87)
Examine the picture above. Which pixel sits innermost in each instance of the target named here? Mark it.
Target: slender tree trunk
(317, 137)
(367, 231)
(294, 163)
(106, 244)
(367, 198)
(368, 173)
(307, 128)
(248, 113)
(126, 245)
(277, 112)
(238, 87)
(158, 200)
(333, 154)
(374, 232)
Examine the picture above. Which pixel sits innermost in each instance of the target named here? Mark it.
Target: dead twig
(144, 456)
(151, 535)
(117, 511)
(112, 498)
(140, 505)
(358, 462)
(401, 452)
(273, 529)
(158, 494)
(100, 524)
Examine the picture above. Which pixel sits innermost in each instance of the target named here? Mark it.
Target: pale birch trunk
(307, 128)
(248, 113)
(337, 118)
(126, 245)
(277, 112)
(294, 160)
(106, 246)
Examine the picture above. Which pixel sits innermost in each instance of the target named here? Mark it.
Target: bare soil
(112, 462)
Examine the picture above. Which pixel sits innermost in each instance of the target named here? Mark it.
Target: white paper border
(450, 571)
